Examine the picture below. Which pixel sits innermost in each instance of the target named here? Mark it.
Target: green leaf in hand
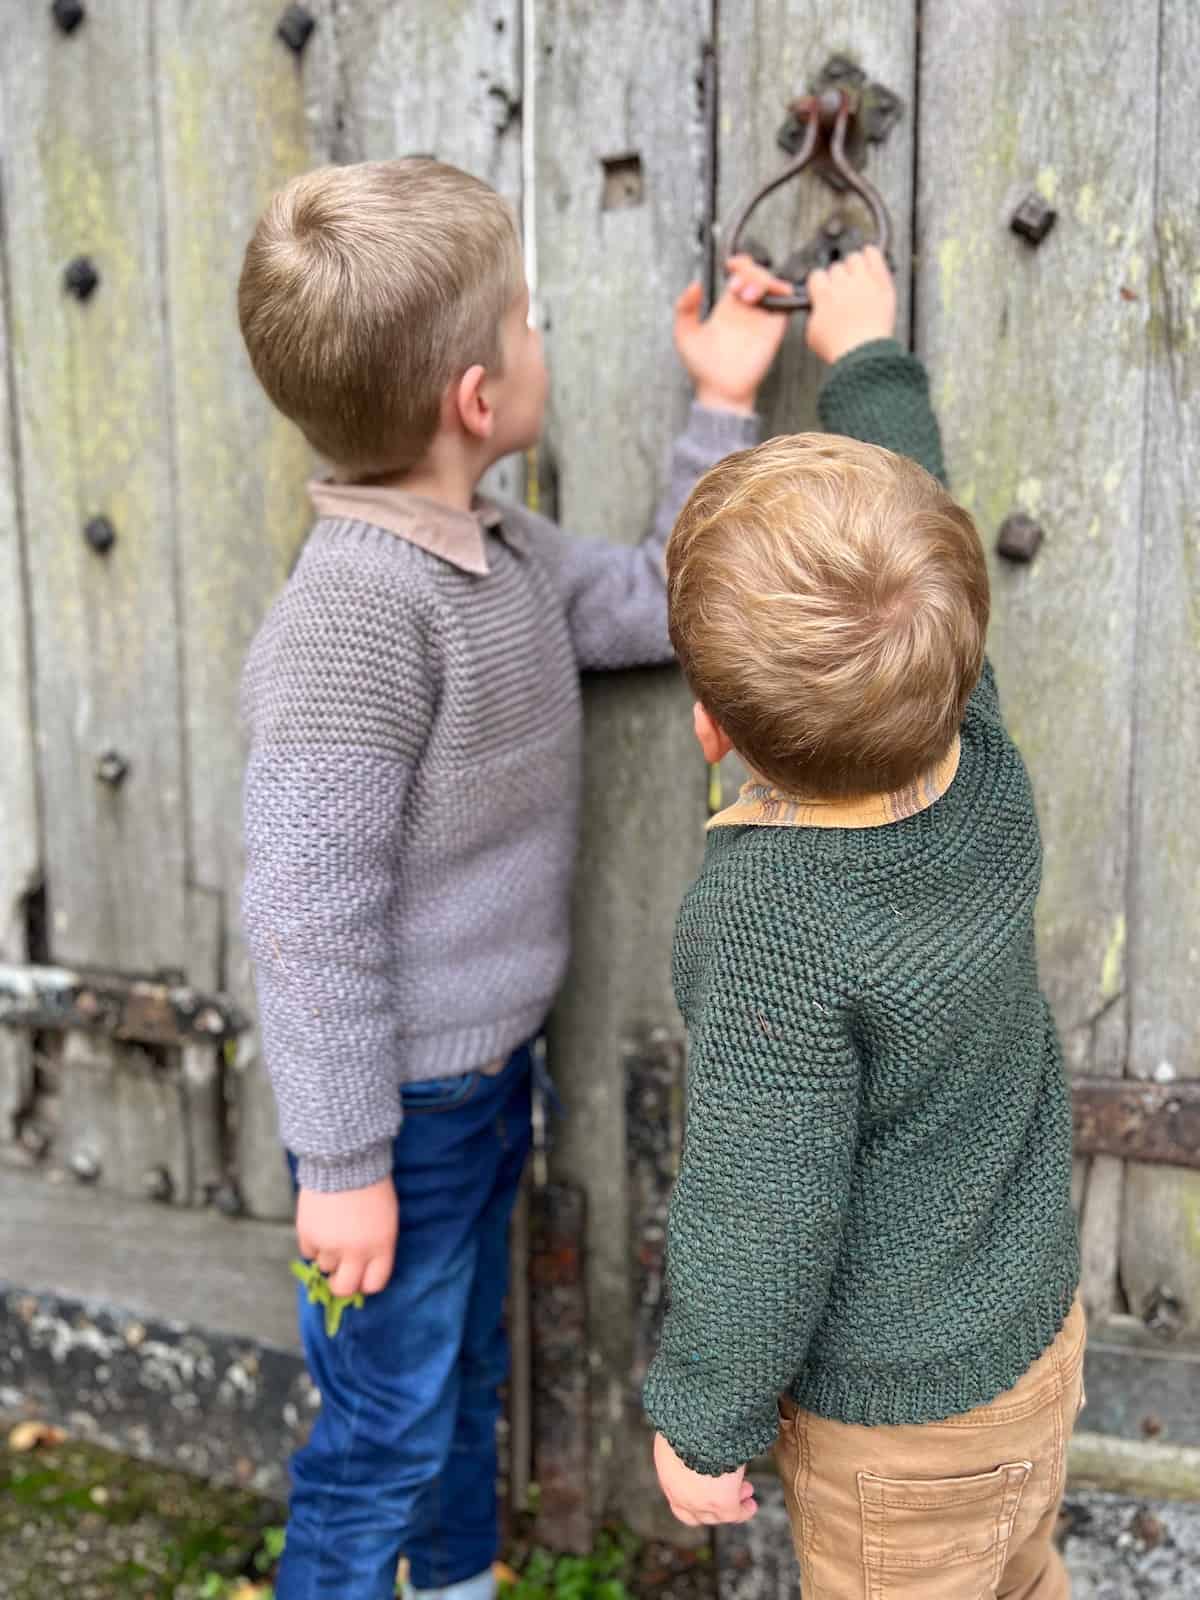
(320, 1294)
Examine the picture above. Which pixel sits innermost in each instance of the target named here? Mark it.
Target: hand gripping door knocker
(825, 118)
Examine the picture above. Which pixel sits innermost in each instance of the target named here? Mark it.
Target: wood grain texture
(169, 1265)
(1160, 1245)
(239, 116)
(19, 851)
(80, 173)
(1022, 345)
(1039, 371)
(93, 396)
(770, 51)
(440, 79)
(615, 82)
(123, 1120)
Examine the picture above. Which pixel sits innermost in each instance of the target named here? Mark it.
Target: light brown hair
(365, 291)
(829, 605)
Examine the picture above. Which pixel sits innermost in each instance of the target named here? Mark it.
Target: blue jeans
(402, 1456)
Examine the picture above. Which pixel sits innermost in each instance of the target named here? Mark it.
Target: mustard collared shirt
(761, 805)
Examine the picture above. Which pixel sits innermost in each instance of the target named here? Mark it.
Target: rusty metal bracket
(825, 119)
(137, 1010)
(1157, 1122)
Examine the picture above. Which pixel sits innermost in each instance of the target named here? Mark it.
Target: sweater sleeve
(339, 712)
(615, 594)
(880, 394)
(757, 1212)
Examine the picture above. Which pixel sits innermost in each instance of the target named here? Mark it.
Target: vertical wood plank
(19, 852)
(615, 83)
(239, 115)
(439, 80)
(92, 393)
(770, 51)
(122, 1120)
(1021, 342)
(1160, 1248)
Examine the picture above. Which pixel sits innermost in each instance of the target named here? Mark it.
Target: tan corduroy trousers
(958, 1510)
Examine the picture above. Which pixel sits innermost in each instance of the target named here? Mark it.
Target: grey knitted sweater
(411, 800)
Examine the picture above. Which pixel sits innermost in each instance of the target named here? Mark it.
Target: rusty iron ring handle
(831, 111)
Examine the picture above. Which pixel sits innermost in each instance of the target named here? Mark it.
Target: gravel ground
(78, 1522)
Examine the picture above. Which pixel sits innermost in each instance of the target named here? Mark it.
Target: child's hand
(853, 302)
(728, 354)
(695, 1499)
(351, 1236)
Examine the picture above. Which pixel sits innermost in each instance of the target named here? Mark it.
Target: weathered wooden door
(152, 505)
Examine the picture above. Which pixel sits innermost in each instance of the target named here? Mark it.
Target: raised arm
(615, 595)
(875, 390)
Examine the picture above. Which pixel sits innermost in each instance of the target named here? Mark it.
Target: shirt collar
(761, 805)
(459, 537)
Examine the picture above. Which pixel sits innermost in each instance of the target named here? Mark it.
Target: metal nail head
(1033, 219)
(112, 768)
(84, 1166)
(80, 278)
(295, 28)
(100, 534)
(1020, 538)
(68, 14)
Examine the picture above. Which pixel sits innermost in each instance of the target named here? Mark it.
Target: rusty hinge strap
(1157, 1122)
(139, 1010)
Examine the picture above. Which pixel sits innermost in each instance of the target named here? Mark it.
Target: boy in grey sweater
(410, 815)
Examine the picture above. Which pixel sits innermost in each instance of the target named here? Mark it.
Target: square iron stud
(295, 27)
(81, 278)
(112, 768)
(100, 534)
(68, 14)
(1020, 538)
(1033, 218)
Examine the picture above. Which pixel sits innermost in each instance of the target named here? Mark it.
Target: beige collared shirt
(459, 537)
(760, 804)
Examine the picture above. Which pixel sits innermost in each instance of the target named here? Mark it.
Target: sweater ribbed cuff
(336, 1174)
(720, 433)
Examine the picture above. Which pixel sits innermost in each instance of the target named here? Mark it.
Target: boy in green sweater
(872, 1259)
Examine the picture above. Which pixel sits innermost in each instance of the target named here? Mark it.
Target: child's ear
(714, 741)
(472, 404)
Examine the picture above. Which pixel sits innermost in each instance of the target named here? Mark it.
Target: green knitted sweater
(873, 1211)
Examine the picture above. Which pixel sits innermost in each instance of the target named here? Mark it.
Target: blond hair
(829, 605)
(365, 291)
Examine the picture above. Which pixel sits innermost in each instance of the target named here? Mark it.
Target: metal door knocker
(825, 118)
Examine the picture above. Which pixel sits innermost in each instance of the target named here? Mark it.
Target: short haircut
(365, 291)
(829, 605)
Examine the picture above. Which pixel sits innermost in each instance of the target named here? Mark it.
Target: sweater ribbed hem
(934, 1391)
(453, 1051)
(439, 1055)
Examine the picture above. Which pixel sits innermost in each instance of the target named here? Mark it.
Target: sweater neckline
(761, 805)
